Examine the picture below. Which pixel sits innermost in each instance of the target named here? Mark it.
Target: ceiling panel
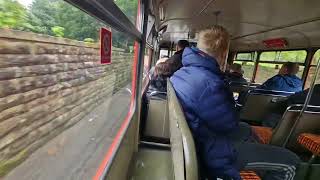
(246, 18)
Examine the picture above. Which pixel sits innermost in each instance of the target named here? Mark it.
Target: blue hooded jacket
(210, 111)
(290, 83)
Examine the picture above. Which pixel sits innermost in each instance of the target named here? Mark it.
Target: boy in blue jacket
(285, 80)
(210, 111)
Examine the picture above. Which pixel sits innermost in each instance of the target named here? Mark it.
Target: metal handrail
(305, 105)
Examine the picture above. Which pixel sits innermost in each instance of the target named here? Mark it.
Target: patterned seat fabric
(249, 175)
(264, 133)
(311, 142)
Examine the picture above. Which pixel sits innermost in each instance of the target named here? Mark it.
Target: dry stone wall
(48, 84)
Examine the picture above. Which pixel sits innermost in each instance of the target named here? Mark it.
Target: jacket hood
(292, 80)
(194, 57)
(290, 83)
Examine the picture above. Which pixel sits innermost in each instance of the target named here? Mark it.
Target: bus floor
(77, 152)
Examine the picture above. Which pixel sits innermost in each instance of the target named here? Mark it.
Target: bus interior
(152, 139)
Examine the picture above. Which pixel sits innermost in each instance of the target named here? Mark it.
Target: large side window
(247, 62)
(271, 62)
(312, 69)
(56, 98)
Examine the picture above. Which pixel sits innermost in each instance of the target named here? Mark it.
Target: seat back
(238, 87)
(157, 124)
(284, 126)
(181, 140)
(259, 104)
(308, 122)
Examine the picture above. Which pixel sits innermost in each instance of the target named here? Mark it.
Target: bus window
(57, 99)
(271, 62)
(147, 60)
(247, 62)
(164, 53)
(312, 69)
(129, 8)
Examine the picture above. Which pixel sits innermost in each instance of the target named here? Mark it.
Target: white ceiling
(248, 21)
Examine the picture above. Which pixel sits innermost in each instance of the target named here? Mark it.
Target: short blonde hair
(214, 41)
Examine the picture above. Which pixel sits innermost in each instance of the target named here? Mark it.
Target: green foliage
(58, 31)
(78, 25)
(284, 56)
(129, 8)
(42, 16)
(12, 15)
(58, 18)
(88, 40)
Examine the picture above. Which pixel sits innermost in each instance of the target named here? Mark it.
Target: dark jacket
(209, 109)
(300, 97)
(290, 83)
(236, 78)
(158, 83)
(177, 58)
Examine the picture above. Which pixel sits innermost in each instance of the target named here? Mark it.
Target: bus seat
(258, 104)
(311, 142)
(238, 87)
(308, 123)
(182, 143)
(284, 126)
(249, 175)
(157, 123)
(157, 94)
(264, 133)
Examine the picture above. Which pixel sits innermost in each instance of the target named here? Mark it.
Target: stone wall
(48, 84)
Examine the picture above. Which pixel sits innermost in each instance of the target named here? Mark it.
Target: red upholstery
(311, 142)
(263, 133)
(249, 175)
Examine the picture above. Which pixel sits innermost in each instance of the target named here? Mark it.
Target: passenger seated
(158, 86)
(235, 74)
(151, 72)
(159, 77)
(298, 98)
(285, 80)
(211, 115)
(177, 57)
(162, 71)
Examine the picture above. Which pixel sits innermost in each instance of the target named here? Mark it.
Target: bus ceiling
(249, 22)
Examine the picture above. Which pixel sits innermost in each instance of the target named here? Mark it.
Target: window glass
(316, 58)
(247, 68)
(268, 70)
(310, 77)
(284, 56)
(147, 61)
(57, 101)
(293, 56)
(164, 53)
(268, 56)
(129, 8)
(312, 70)
(244, 56)
(147, 65)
